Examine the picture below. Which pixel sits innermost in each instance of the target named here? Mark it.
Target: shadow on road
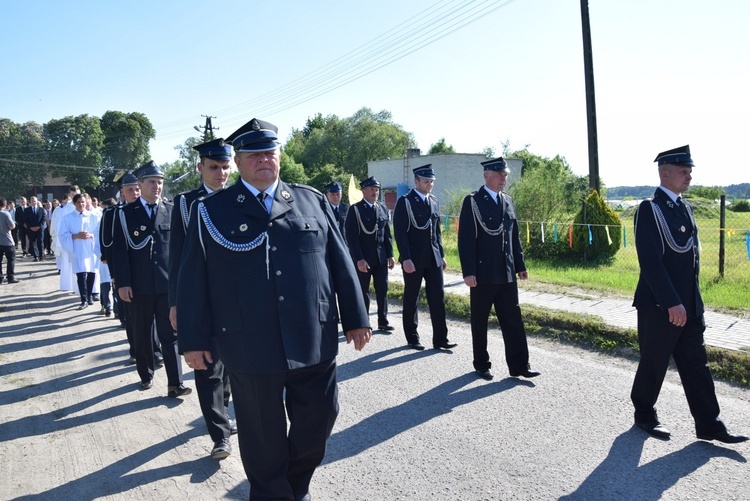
(621, 476)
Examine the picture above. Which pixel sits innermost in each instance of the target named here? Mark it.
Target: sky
(477, 73)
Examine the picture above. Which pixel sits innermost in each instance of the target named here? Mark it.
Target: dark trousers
(278, 464)
(105, 288)
(433, 279)
(9, 253)
(144, 310)
(659, 339)
(86, 285)
(379, 276)
(14, 234)
(504, 297)
(47, 241)
(212, 386)
(22, 232)
(36, 243)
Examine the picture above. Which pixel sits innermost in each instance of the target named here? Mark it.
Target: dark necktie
(681, 207)
(152, 208)
(262, 199)
(336, 212)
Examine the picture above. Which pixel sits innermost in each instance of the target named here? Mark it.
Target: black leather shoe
(445, 346)
(12, 281)
(221, 449)
(385, 327)
(416, 346)
(525, 373)
(146, 385)
(232, 426)
(485, 374)
(655, 429)
(159, 361)
(723, 436)
(178, 391)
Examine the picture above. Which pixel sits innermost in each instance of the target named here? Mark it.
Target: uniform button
(270, 224)
(273, 248)
(278, 273)
(223, 329)
(281, 298)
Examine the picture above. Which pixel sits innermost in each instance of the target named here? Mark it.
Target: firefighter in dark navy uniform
(416, 229)
(669, 304)
(340, 209)
(491, 258)
(262, 268)
(368, 235)
(140, 252)
(212, 384)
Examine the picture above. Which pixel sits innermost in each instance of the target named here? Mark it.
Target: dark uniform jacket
(144, 269)
(375, 247)
(341, 218)
(180, 220)
(266, 285)
(107, 228)
(492, 259)
(668, 277)
(20, 215)
(423, 246)
(38, 219)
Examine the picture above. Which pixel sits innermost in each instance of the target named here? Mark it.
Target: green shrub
(740, 206)
(598, 216)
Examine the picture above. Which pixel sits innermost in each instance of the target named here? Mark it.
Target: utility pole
(588, 69)
(208, 129)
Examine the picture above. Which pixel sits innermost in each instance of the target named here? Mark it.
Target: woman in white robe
(78, 236)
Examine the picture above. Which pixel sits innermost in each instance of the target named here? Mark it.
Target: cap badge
(243, 227)
(240, 198)
(286, 195)
(255, 125)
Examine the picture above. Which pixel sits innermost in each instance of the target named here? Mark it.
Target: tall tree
(441, 147)
(22, 157)
(182, 175)
(77, 143)
(126, 138)
(348, 143)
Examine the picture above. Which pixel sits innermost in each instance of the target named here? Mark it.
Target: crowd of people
(249, 283)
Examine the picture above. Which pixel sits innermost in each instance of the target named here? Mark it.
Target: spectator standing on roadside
(21, 224)
(35, 221)
(48, 220)
(669, 304)
(7, 246)
(12, 211)
(491, 258)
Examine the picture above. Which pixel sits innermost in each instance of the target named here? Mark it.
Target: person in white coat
(77, 234)
(67, 278)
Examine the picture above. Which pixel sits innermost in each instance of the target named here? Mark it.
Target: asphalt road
(413, 425)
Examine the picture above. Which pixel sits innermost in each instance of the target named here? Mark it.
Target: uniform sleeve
(387, 238)
(518, 260)
(467, 239)
(401, 229)
(120, 249)
(176, 243)
(352, 234)
(192, 291)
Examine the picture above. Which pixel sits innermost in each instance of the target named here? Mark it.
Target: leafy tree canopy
(126, 138)
(76, 142)
(347, 143)
(22, 157)
(441, 147)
